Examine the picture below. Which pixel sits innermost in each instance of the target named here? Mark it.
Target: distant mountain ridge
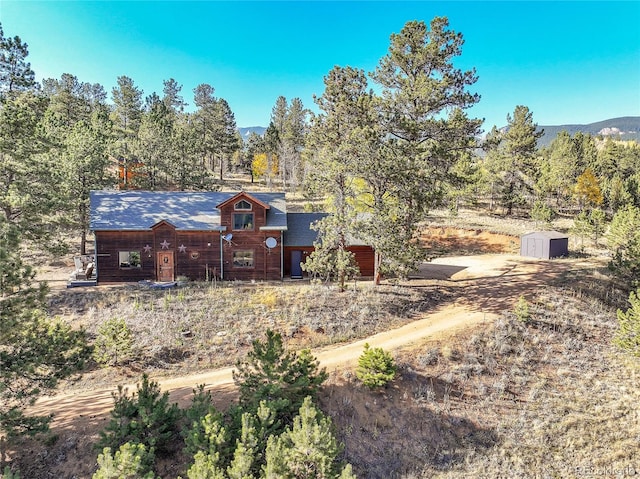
(622, 128)
(247, 130)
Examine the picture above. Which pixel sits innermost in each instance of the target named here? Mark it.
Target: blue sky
(569, 62)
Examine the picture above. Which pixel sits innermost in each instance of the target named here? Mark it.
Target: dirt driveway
(485, 286)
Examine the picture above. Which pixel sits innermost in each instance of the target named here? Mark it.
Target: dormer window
(242, 205)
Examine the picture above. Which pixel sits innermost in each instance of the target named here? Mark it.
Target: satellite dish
(271, 242)
(228, 237)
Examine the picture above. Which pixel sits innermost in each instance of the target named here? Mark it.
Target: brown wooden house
(160, 236)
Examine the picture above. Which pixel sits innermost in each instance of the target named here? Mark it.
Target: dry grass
(199, 326)
(547, 398)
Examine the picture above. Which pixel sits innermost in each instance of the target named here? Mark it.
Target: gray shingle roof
(140, 210)
(299, 232)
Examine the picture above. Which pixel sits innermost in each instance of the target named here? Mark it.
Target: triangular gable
(162, 223)
(240, 196)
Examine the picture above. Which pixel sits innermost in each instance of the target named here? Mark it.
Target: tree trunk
(83, 242)
(376, 268)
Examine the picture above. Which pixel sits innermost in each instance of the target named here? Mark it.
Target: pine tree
(247, 447)
(126, 117)
(35, 352)
(376, 367)
(114, 344)
(281, 378)
(131, 461)
(307, 450)
(516, 159)
(334, 172)
(623, 241)
(16, 74)
(145, 417)
(628, 335)
(422, 128)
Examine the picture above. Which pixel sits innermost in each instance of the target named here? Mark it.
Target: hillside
(623, 128)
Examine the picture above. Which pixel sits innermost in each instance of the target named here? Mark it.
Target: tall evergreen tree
(335, 169)
(80, 135)
(216, 126)
(85, 167)
(424, 127)
(293, 140)
(514, 154)
(172, 97)
(155, 144)
(16, 74)
(126, 117)
(35, 352)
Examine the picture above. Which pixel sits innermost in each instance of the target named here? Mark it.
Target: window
(243, 221)
(243, 259)
(129, 259)
(242, 205)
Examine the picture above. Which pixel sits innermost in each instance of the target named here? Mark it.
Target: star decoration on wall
(165, 244)
(182, 248)
(147, 249)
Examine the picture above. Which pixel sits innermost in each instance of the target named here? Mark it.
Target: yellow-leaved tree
(264, 165)
(587, 190)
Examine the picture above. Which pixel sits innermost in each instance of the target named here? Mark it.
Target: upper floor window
(243, 221)
(242, 205)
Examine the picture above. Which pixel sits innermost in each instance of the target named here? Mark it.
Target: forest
(385, 149)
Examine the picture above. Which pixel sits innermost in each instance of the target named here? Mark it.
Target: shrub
(521, 310)
(114, 344)
(145, 418)
(376, 367)
(131, 461)
(624, 243)
(9, 474)
(628, 335)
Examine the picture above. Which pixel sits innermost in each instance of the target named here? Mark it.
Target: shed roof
(186, 210)
(547, 234)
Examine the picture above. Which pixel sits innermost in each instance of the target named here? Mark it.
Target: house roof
(240, 195)
(186, 210)
(300, 233)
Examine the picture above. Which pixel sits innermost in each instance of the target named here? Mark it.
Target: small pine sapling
(628, 335)
(376, 367)
(114, 344)
(521, 310)
(131, 461)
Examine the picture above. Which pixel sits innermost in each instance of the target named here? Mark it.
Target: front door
(165, 266)
(296, 259)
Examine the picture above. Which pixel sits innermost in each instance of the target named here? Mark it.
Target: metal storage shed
(544, 244)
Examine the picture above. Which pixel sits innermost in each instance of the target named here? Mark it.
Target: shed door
(165, 266)
(534, 247)
(296, 259)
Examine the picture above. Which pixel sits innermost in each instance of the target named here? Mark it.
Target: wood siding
(363, 254)
(199, 260)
